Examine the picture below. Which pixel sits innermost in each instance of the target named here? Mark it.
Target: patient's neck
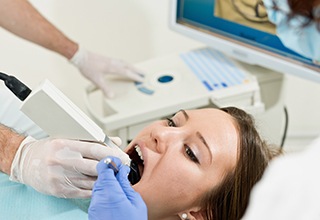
(176, 217)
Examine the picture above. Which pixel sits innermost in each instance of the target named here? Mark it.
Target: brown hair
(310, 9)
(229, 200)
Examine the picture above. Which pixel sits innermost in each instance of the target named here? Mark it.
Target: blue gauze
(22, 202)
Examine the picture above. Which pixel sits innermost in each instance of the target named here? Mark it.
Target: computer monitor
(240, 29)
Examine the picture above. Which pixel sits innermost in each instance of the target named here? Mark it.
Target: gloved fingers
(69, 187)
(83, 194)
(105, 178)
(81, 182)
(114, 152)
(135, 76)
(101, 167)
(89, 149)
(120, 67)
(79, 167)
(102, 84)
(131, 194)
(93, 151)
(107, 184)
(111, 201)
(100, 81)
(74, 193)
(122, 178)
(69, 148)
(116, 140)
(122, 175)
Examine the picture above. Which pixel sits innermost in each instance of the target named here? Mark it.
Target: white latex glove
(94, 67)
(289, 189)
(60, 167)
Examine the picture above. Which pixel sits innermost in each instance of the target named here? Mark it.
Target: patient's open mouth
(137, 166)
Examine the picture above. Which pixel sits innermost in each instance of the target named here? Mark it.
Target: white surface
(130, 30)
(289, 188)
(58, 116)
(12, 117)
(258, 90)
(186, 90)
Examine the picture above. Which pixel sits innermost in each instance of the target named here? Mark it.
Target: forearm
(9, 144)
(22, 19)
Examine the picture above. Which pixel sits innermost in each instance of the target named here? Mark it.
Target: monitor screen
(240, 29)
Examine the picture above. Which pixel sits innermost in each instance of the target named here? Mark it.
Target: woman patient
(199, 164)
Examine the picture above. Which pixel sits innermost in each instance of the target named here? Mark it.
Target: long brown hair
(310, 9)
(229, 200)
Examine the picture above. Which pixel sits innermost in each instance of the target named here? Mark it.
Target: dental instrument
(62, 118)
(111, 165)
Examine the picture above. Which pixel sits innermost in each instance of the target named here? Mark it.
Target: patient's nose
(164, 138)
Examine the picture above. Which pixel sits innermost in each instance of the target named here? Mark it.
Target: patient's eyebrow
(205, 144)
(185, 114)
(199, 135)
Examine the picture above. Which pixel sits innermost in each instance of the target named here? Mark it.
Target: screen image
(250, 13)
(242, 22)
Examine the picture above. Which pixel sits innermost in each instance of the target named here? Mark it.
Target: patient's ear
(192, 214)
(199, 215)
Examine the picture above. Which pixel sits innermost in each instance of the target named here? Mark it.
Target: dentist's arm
(113, 197)
(22, 19)
(60, 167)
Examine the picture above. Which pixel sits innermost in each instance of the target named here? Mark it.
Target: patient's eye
(171, 122)
(190, 154)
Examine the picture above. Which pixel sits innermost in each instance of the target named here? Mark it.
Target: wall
(133, 31)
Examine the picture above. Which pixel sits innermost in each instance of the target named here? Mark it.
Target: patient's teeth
(139, 151)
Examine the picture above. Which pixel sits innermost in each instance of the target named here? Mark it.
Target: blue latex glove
(113, 197)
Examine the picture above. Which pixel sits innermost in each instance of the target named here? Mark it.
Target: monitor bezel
(242, 51)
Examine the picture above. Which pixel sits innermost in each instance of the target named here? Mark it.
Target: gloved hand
(94, 67)
(113, 197)
(60, 167)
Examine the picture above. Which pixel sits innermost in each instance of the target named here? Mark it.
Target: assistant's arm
(9, 144)
(23, 20)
